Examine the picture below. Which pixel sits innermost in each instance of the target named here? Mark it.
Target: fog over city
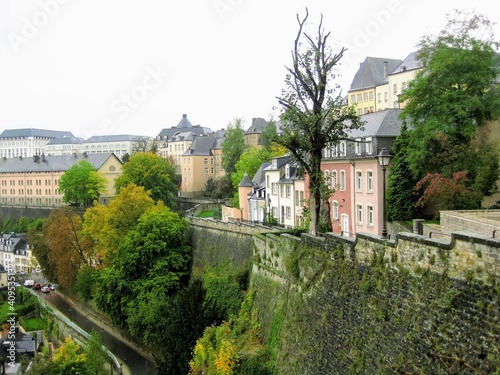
(130, 67)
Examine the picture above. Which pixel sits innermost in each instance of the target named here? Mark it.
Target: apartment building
(15, 253)
(199, 165)
(27, 142)
(371, 83)
(35, 181)
(399, 79)
(352, 171)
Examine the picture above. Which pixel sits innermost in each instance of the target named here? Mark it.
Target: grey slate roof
(31, 132)
(183, 136)
(409, 63)
(258, 124)
(113, 138)
(260, 177)
(384, 123)
(201, 146)
(184, 123)
(245, 181)
(51, 163)
(371, 72)
(16, 241)
(66, 140)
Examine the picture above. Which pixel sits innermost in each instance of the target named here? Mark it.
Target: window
(359, 214)
(395, 88)
(342, 180)
(359, 181)
(206, 170)
(369, 180)
(379, 97)
(386, 97)
(205, 161)
(365, 97)
(335, 210)
(288, 191)
(267, 182)
(353, 98)
(360, 98)
(360, 111)
(368, 146)
(288, 212)
(395, 104)
(327, 178)
(369, 214)
(371, 95)
(334, 179)
(343, 148)
(357, 146)
(275, 188)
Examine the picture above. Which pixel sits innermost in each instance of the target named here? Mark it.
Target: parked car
(29, 283)
(45, 289)
(37, 286)
(51, 287)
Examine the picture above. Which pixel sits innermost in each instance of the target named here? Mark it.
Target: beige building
(371, 83)
(201, 161)
(35, 181)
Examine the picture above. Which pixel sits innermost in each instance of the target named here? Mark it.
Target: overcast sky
(134, 67)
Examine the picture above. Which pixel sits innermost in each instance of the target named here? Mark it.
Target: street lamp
(384, 158)
(268, 210)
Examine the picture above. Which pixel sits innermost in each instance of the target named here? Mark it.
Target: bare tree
(313, 113)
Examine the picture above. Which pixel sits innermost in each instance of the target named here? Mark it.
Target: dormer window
(274, 164)
(287, 171)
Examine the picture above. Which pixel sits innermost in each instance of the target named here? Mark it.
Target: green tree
(107, 226)
(269, 134)
(82, 184)
(249, 162)
(233, 145)
(152, 263)
(312, 116)
(154, 173)
(450, 101)
(401, 195)
(232, 148)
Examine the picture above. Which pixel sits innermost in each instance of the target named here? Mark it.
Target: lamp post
(268, 211)
(384, 158)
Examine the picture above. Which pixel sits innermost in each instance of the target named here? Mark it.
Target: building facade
(27, 142)
(34, 181)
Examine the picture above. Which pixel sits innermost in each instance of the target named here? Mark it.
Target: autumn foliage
(446, 193)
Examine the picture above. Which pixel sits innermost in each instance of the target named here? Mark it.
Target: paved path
(134, 360)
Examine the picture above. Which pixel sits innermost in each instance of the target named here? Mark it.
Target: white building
(27, 142)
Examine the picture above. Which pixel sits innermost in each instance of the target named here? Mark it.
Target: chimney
(386, 69)
(36, 158)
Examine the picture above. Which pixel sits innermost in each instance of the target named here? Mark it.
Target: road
(137, 363)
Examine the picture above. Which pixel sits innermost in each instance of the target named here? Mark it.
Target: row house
(352, 172)
(35, 181)
(274, 195)
(15, 253)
